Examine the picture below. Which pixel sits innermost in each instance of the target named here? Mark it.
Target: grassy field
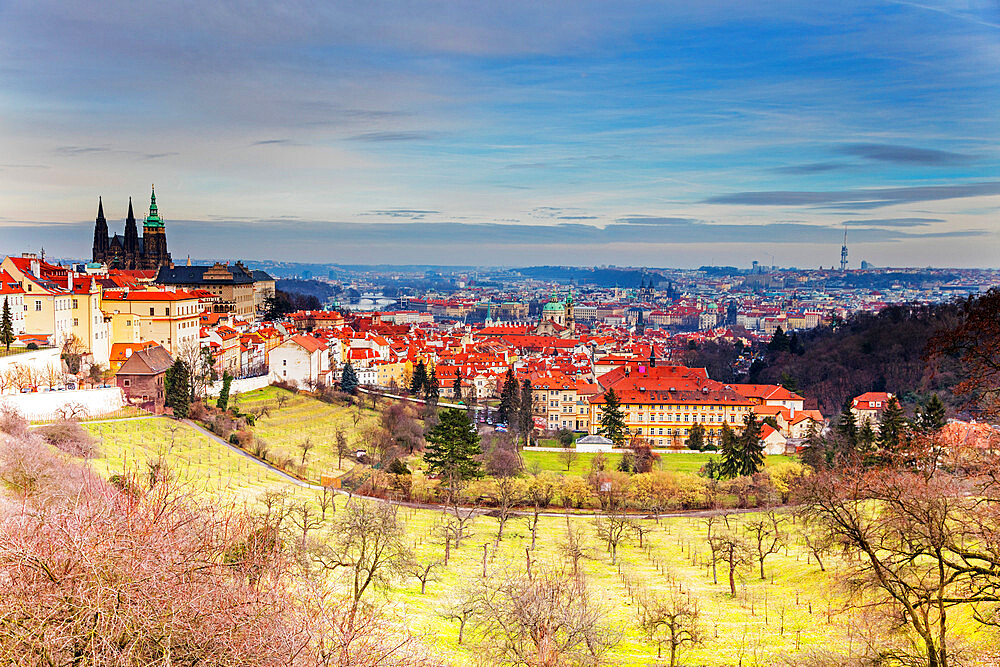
(197, 461)
(791, 612)
(292, 418)
(684, 462)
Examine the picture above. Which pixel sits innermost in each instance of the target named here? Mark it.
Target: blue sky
(666, 134)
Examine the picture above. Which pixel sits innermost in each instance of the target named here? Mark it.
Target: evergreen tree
(348, 379)
(779, 341)
(6, 325)
(509, 398)
(452, 448)
(526, 421)
(795, 346)
(933, 415)
(847, 427)
(744, 454)
(431, 389)
(789, 382)
(419, 380)
(612, 419)
(696, 438)
(457, 385)
(177, 389)
(892, 426)
(866, 437)
(626, 463)
(223, 402)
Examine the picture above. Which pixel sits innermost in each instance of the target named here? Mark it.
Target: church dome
(552, 306)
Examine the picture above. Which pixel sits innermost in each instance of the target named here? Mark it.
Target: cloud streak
(860, 198)
(905, 154)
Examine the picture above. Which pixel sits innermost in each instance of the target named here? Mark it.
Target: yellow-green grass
(787, 625)
(792, 612)
(292, 418)
(681, 462)
(195, 460)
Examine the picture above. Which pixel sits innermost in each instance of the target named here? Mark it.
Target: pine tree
(509, 399)
(933, 415)
(696, 438)
(6, 325)
(847, 427)
(744, 454)
(779, 342)
(612, 419)
(419, 380)
(457, 385)
(526, 421)
(178, 391)
(431, 389)
(452, 448)
(348, 379)
(892, 426)
(223, 402)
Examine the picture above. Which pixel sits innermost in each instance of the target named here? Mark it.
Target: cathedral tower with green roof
(146, 253)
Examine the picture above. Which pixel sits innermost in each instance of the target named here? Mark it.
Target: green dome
(552, 306)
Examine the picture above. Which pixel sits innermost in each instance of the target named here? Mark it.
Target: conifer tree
(743, 454)
(223, 402)
(933, 415)
(612, 419)
(6, 325)
(526, 421)
(419, 380)
(847, 427)
(178, 391)
(431, 389)
(457, 385)
(696, 438)
(779, 341)
(348, 379)
(509, 399)
(452, 448)
(892, 426)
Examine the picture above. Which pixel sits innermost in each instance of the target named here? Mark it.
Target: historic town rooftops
(872, 400)
(217, 274)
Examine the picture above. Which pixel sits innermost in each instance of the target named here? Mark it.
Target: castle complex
(131, 251)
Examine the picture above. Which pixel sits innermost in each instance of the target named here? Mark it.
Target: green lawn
(292, 418)
(683, 462)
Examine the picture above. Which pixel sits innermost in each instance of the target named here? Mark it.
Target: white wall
(240, 386)
(48, 404)
(40, 360)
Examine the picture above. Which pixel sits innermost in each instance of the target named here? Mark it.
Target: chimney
(69, 280)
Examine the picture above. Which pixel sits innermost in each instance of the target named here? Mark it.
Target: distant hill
(320, 290)
(831, 364)
(589, 276)
(880, 352)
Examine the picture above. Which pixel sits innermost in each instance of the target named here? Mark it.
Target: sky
(508, 133)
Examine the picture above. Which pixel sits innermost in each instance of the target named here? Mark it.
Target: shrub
(12, 423)
(243, 438)
(31, 346)
(198, 411)
(68, 436)
(288, 385)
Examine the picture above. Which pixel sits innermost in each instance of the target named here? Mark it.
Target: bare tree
(613, 527)
(766, 536)
(305, 446)
(568, 456)
(368, 540)
(540, 492)
(342, 445)
(729, 548)
(463, 604)
(505, 494)
(672, 619)
(573, 547)
(424, 571)
(327, 500)
(546, 619)
(304, 518)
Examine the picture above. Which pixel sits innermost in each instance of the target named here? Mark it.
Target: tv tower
(843, 252)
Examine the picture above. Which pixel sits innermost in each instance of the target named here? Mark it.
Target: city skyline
(574, 133)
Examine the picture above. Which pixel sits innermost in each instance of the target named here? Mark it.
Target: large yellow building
(168, 318)
(47, 306)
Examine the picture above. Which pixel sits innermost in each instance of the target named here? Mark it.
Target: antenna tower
(843, 252)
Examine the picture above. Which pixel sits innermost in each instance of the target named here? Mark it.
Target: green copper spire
(153, 219)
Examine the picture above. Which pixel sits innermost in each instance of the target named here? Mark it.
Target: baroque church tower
(148, 252)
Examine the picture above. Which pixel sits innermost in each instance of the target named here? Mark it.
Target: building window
(38, 305)
(76, 322)
(127, 383)
(75, 304)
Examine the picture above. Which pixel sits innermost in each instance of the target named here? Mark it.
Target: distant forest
(321, 290)
(868, 352)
